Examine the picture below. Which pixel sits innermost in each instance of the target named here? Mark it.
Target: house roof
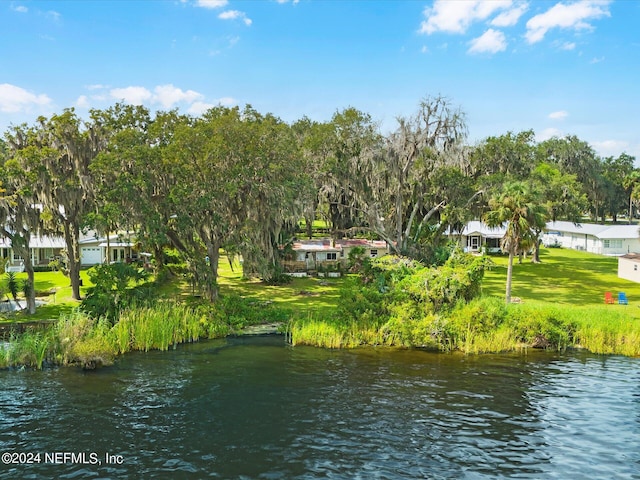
(113, 239)
(37, 242)
(602, 232)
(327, 245)
(634, 257)
(476, 227)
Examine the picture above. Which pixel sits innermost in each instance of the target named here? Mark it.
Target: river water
(254, 408)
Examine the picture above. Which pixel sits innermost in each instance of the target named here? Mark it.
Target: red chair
(608, 298)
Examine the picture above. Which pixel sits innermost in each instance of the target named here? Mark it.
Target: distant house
(43, 250)
(594, 238)
(312, 255)
(629, 267)
(93, 249)
(476, 237)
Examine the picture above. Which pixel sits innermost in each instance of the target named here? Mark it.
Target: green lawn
(566, 277)
(302, 295)
(57, 303)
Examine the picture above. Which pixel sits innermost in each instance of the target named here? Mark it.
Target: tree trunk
(31, 297)
(213, 252)
(509, 276)
(71, 234)
(536, 247)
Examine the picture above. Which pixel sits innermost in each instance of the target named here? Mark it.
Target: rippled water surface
(255, 408)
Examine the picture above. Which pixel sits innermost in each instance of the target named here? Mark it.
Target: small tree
(13, 287)
(111, 291)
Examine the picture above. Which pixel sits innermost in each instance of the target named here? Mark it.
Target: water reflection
(254, 408)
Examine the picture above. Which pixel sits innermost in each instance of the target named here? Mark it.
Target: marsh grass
(164, 326)
(30, 349)
(315, 331)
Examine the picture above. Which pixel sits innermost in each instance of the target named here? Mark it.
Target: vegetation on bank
(79, 339)
(427, 308)
(391, 301)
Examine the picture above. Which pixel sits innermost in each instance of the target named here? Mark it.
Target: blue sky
(569, 67)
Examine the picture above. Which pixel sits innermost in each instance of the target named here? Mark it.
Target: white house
(629, 267)
(594, 238)
(93, 249)
(601, 239)
(476, 236)
(43, 250)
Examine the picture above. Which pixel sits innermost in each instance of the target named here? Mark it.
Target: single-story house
(629, 267)
(476, 237)
(93, 249)
(310, 255)
(594, 238)
(43, 251)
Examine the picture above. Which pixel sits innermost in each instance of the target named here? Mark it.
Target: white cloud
(608, 148)
(133, 95)
(19, 8)
(96, 86)
(456, 17)
(198, 108)
(572, 16)
(294, 2)
(227, 101)
(596, 60)
(491, 41)
(82, 102)
(55, 16)
(548, 133)
(424, 49)
(235, 14)
(559, 115)
(211, 3)
(510, 17)
(168, 95)
(15, 99)
(568, 46)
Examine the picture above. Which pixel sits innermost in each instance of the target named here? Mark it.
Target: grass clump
(164, 325)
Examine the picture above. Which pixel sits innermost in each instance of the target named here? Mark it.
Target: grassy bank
(565, 277)
(77, 339)
(561, 305)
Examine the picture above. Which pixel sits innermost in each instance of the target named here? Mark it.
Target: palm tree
(516, 207)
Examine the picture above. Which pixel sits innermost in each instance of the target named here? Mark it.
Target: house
(629, 267)
(93, 249)
(476, 237)
(594, 238)
(329, 254)
(44, 250)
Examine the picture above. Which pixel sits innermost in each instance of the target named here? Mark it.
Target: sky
(557, 67)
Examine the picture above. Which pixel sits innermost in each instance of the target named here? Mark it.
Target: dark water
(256, 409)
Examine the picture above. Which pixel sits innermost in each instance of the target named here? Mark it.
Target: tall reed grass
(162, 326)
(484, 325)
(78, 339)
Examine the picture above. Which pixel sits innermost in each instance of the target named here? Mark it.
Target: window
(332, 256)
(374, 253)
(612, 243)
